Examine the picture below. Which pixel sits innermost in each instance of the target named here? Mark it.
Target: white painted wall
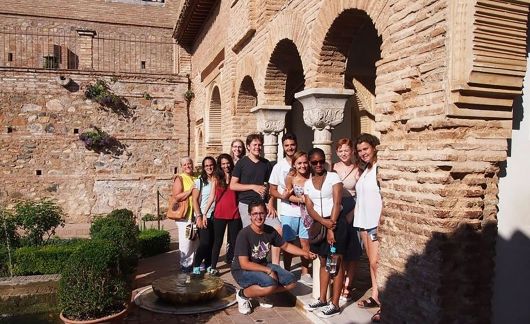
(512, 282)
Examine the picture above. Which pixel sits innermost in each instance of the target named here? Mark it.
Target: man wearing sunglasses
(255, 275)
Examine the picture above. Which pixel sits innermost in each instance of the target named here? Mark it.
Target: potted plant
(93, 288)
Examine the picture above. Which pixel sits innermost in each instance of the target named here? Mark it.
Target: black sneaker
(315, 305)
(329, 311)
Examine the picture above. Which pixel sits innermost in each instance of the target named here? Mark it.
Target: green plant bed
(92, 283)
(153, 242)
(47, 259)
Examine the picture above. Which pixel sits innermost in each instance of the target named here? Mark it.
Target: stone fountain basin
(181, 289)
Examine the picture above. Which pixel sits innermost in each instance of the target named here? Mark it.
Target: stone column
(271, 121)
(86, 46)
(323, 110)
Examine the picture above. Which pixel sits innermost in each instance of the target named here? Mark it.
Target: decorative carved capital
(323, 107)
(270, 119)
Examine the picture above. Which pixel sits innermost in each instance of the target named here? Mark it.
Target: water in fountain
(183, 289)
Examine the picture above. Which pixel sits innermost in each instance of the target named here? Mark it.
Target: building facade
(436, 80)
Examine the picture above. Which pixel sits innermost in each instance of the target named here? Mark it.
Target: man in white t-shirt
(290, 213)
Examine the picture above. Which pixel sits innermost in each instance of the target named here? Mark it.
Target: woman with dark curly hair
(323, 195)
(203, 206)
(226, 212)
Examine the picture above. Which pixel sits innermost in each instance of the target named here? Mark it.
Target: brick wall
(438, 173)
(137, 13)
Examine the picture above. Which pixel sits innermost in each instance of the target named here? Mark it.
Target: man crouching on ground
(251, 270)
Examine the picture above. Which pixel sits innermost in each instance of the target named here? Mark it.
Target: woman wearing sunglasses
(323, 193)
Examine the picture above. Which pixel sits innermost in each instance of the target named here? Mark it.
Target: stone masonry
(41, 118)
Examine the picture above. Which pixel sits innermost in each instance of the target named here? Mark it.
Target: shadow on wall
(513, 261)
(451, 281)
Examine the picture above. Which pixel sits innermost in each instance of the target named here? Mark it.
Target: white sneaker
(265, 302)
(329, 311)
(306, 280)
(243, 304)
(315, 305)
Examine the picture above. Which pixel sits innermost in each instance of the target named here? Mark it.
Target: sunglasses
(315, 162)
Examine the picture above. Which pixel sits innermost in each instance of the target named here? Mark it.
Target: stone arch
(247, 98)
(330, 42)
(284, 61)
(213, 125)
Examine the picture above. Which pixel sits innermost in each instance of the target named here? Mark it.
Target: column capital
(323, 107)
(270, 118)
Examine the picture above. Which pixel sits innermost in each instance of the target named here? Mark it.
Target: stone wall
(43, 156)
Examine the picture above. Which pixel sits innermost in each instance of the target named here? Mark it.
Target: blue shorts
(245, 278)
(293, 227)
(372, 234)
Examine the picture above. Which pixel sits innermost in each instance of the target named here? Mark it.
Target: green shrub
(119, 228)
(47, 259)
(153, 242)
(38, 220)
(92, 283)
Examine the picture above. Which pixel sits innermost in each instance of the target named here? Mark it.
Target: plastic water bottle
(265, 195)
(331, 261)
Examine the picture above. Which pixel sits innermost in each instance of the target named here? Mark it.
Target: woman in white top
(368, 209)
(323, 201)
(348, 171)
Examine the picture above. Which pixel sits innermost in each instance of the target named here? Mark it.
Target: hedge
(119, 228)
(47, 259)
(153, 242)
(92, 283)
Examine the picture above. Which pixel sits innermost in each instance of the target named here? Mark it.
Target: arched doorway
(243, 120)
(284, 78)
(213, 124)
(348, 59)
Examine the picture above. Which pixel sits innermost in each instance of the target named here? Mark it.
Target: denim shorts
(293, 227)
(372, 234)
(245, 278)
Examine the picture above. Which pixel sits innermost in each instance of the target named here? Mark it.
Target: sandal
(377, 317)
(368, 303)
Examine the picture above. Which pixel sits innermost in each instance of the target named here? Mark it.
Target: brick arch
(291, 26)
(284, 62)
(247, 68)
(247, 98)
(335, 28)
(213, 127)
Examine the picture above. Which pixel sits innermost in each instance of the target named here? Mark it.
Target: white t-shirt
(369, 203)
(278, 175)
(323, 209)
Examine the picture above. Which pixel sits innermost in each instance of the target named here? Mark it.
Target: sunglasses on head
(315, 162)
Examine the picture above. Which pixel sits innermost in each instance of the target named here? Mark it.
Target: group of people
(243, 191)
